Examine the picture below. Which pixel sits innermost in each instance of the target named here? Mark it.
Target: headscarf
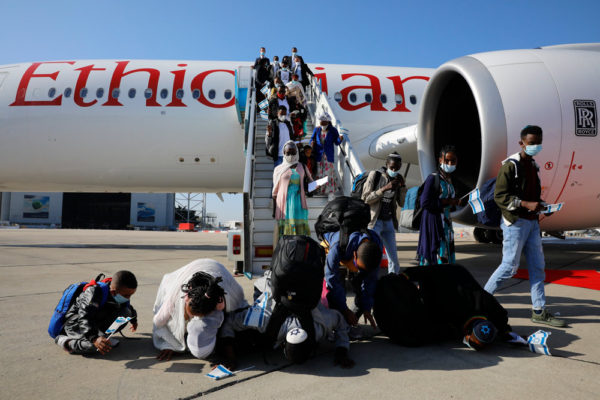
(325, 117)
(285, 165)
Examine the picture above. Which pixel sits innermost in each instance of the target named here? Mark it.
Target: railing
(347, 163)
(248, 191)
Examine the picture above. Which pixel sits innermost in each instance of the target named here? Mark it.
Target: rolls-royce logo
(586, 118)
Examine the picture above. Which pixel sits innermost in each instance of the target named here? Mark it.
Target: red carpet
(585, 278)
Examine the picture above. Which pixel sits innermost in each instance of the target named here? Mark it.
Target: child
(310, 160)
(87, 320)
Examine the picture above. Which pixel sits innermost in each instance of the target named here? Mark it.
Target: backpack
(359, 182)
(297, 273)
(399, 311)
(344, 214)
(68, 297)
(491, 215)
(410, 216)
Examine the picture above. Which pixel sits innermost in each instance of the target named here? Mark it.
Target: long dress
(325, 169)
(436, 235)
(296, 217)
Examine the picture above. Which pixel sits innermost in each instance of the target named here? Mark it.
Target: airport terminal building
(89, 210)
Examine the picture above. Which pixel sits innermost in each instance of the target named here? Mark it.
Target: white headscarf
(169, 324)
(325, 117)
(287, 163)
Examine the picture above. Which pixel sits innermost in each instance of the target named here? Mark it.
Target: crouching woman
(191, 305)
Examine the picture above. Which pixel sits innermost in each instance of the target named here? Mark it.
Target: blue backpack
(410, 216)
(359, 182)
(57, 321)
(491, 215)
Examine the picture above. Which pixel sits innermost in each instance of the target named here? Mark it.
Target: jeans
(522, 236)
(386, 231)
(278, 161)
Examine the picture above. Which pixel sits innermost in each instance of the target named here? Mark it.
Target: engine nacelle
(481, 102)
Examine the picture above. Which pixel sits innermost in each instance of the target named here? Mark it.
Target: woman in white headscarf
(191, 305)
(324, 137)
(291, 210)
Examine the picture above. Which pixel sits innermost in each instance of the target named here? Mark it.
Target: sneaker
(547, 318)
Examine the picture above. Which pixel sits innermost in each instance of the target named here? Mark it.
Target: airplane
(172, 126)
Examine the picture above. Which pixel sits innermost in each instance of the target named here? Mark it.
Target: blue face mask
(120, 299)
(448, 168)
(533, 149)
(391, 173)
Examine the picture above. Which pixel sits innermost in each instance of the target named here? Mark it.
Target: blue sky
(407, 33)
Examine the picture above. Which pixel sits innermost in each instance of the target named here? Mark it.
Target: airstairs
(259, 224)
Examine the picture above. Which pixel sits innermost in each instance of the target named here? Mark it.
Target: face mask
(291, 158)
(294, 81)
(324, 127)
(262, 53)
(533, 149)
(391, 173)
(448, 168)
(281, 118)
(293, 55)
(120, 299)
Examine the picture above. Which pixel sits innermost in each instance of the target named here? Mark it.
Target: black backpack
(418, 210)
(359, 183)
(344, 214)
(297, 273)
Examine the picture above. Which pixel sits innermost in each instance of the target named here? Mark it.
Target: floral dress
(325, 169)
(296, 217)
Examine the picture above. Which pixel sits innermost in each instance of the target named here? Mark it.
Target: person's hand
(165, 355)
(533, 206)
(341, 358)
(390, 185)
(369, 317)
(102, 344)
(133, 326)
(351, 318)
(341, 138)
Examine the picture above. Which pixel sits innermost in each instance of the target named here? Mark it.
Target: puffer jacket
(87, 319)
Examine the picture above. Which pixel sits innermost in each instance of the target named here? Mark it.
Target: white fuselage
(184, 137)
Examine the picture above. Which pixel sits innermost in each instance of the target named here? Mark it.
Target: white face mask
(281, 118)
(448, 168)
(291, 158)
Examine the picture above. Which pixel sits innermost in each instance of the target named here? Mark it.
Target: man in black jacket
(87, 320)
(282, 99)
(261, 66)
(279, 131)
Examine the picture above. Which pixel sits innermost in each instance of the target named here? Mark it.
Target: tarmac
(37, 265)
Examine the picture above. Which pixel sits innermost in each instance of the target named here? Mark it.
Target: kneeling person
(297, 334)
(191, 305)
(89, 316)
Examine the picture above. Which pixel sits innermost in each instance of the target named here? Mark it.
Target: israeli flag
(256, 314)
(219, 372)
(117, 324)
(264, 115)
(538, 342)
(263, 104)
(265, 89)
(552, 208)
(475, 202)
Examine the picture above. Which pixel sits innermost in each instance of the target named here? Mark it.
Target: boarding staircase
(259, 224)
